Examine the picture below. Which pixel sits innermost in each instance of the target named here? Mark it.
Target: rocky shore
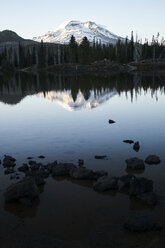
(31, 175)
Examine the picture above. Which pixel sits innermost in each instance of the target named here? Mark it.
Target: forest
(43, 55)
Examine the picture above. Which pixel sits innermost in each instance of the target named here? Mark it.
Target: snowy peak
(79, 29)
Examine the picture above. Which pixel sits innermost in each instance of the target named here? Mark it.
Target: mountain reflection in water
(78, 92)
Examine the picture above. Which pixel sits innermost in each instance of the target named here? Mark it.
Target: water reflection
(79, 92)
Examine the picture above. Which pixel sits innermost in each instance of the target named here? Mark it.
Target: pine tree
(41, 56)
(73, 50)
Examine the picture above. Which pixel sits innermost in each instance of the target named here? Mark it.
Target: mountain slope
(79, 29)
(10, 36)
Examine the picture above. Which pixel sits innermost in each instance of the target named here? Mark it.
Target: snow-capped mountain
(79, 29)
(65, 99)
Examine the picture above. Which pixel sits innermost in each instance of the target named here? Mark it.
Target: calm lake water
(65, 118)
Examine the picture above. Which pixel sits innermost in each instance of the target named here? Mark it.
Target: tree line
(42, 55)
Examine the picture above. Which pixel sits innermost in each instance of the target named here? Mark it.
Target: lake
(66, 118)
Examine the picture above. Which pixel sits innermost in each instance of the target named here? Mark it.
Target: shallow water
(65, 118)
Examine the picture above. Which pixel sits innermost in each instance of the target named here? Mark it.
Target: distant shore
(96, 67)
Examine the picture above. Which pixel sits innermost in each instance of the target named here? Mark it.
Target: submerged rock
(135, 164)
(153, 159)
(25, 188)
(62, 169)
(30, 158)
(150, 198)
(128, 141)
(106, 183)
(100, 156)
(41, 156)
(136, 146)
(84, 173)
(140, 222)
(9, 161)
(140, 186)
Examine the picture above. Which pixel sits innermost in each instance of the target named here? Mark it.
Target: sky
(33, 18)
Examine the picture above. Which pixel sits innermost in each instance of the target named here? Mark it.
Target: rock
(34, 165)
(42, 157)
(50, 166)
(128, 141)
(100, 157)
(0, 161)
(9, 161)
(98, 174)
(135, 164)
(37, 175)
(140, 186)
(139, 222)
(9, 171)
(25, 188)
(124, 181)
(44, 171)
(80, 162)
(23, 168)
(25, 201)
(30, 158)
(62, 169)
(106, 183)
(39, 178)
(84, 173)
(111, 122)
(149, 197)
(136, 146)
(153, 159)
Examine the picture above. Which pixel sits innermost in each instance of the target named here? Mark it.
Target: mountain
(10, 36)
(10, 39)
(79, 29)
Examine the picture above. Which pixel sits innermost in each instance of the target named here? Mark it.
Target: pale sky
(36, 17)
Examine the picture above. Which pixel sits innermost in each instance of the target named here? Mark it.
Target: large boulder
(9, 161)
(37, 175)
(152, 159)
(135, 164)
(25, 188)
(140, 186)
(62, 169)
(106, 183)
(84, 173)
